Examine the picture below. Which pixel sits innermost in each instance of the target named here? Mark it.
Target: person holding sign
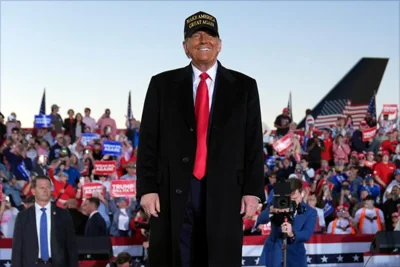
(200, 155)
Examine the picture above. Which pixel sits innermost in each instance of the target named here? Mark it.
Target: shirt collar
(47, 207)
(93, 213)
(212, 72)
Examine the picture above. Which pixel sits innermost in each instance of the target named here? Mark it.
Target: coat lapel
(225, 94)
(224, 97)
(184, 85)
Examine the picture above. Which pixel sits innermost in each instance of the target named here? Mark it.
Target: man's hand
(151, 204)
(287, 228)
(249, 205)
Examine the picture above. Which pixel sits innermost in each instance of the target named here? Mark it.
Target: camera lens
(282, 203)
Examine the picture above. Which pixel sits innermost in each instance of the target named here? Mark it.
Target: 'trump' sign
(123, 188)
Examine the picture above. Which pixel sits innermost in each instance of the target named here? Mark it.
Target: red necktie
(202, 113)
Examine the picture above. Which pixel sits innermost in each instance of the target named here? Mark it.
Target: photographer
(303, 218)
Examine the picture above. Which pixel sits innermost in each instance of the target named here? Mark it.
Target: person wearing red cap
(364, 170)
(342, 225)
(391, 143)
(282, 123)
(384, 170)
(387, 124)
(357, 142)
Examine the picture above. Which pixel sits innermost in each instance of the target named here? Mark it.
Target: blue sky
(92, 53)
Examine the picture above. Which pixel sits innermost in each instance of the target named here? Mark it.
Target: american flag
(42, 110)
(334, 109)
(129, 113)
(372, 106)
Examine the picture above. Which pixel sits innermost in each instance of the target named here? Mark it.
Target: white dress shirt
(38, 213)
(123, 220)
(212, 73)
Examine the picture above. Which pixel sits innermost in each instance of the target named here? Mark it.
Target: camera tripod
(284, 246)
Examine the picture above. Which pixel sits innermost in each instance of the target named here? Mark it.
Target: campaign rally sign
(389, 109)
(104, 167)
(88, 137)
(112, 148)
(42, 121)
(89, 188)
(123, 188)
(368, 134)
(284, 144)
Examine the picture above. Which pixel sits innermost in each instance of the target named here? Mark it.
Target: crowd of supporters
(353, 184)
(60, 153)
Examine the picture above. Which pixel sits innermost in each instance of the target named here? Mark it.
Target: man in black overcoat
(200, 156)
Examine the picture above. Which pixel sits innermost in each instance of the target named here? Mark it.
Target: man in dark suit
(95, 225)
(44, 233)
(200, 155)
(78, 218)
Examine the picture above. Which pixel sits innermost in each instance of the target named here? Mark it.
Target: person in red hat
(282, 123)
(364, 170)
(387, 124)
(357, 142)
(342, 225)
(390, 144)
(384, 170)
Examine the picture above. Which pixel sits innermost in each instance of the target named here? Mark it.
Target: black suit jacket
(79, 221)
(167, 154)
(96, 226)
(25, 247)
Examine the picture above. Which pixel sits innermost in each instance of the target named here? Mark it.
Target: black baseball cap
(200, 21)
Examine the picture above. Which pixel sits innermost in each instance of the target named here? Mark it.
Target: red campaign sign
(368, 134)
(2, 196)
(90, 188)
(389, 109)
(123, 188)
(282, 145)
(104, 167)
(266, 229)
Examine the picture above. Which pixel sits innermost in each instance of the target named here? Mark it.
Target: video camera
(282, 200)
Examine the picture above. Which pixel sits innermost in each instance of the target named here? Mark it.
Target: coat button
(178, 191)
(191, 129)
(185, 160)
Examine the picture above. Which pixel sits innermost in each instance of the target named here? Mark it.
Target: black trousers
(193, 235)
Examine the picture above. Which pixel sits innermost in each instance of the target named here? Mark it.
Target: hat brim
(209, 29)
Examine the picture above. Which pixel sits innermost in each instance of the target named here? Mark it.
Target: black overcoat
(166, 154)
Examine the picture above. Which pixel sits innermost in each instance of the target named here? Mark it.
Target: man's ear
(185, 48)
(219, 45)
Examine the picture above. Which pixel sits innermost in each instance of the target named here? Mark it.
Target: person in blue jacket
(298, 233)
